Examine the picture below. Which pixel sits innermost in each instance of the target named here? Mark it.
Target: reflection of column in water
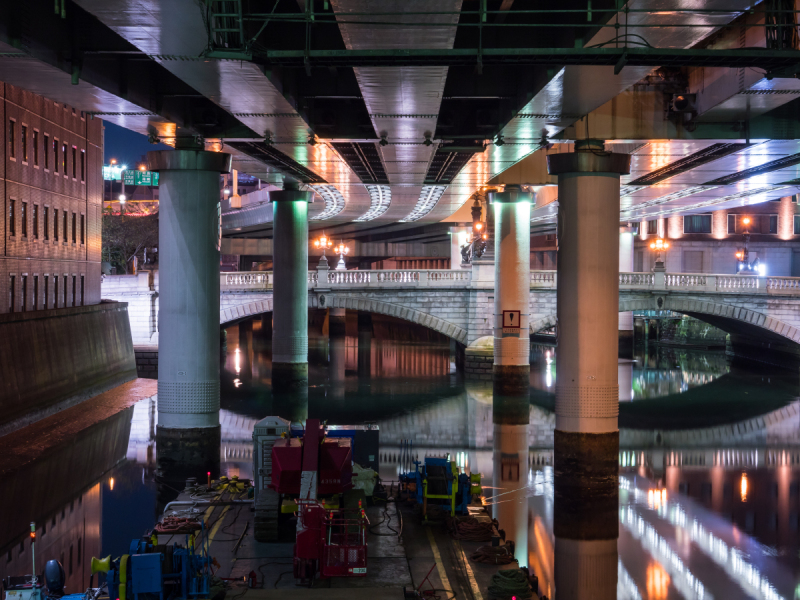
(586, 569)
(184, 453)
(337, 321)
(364, 344)
(292, 405)
(625, 377)
(510, 415)
(336, 366)
(245, 348)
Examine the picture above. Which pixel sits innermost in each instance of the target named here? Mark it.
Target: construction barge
(313, 523)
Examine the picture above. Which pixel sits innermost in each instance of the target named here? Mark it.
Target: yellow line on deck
(476, 592)
(438, 558)
(218, 524)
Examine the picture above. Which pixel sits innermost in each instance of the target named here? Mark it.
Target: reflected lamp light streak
(380, 197)
(428, 198)
(334, 201)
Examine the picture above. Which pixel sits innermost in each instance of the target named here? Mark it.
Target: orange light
(740, 255)
(478, 226)
(113, 161)
(743, 487)
(33, 535)
(485, 236)
(657, 582)
(142, 168)
(746, 220)
(111, 484)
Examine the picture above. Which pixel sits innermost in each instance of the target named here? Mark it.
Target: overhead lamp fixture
(428, 141)
(268, 137)
(226, 191)
(122, 198)
(384, 141)
(499, 141)
(113, 161)
(312, 140)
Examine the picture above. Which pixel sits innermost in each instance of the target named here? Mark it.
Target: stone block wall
(140, 292)
(146, 361)
(53, 359)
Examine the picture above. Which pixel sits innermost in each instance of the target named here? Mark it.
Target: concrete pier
(188, 319)
(512, 243)
(290, 309)
(626, 266)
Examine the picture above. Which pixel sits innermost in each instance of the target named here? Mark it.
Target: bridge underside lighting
(428, 198)
(334, 201)
(380, 197)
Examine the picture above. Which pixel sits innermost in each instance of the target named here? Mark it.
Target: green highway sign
(137, 177)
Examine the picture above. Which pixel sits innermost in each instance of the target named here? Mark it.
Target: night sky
(126, 146)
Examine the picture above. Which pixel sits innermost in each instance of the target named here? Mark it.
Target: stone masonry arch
(729, 318)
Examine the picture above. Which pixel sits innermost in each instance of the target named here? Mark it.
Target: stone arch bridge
(459, 303)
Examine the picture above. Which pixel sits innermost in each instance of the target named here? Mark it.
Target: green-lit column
(290, 287)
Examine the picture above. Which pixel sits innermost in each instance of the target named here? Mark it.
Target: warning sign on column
(511, 321)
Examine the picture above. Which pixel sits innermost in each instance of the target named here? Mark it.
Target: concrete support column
(364, 344)
(626, 266)
(512, 249)
(188, 318)
(290, 296)
(586, 437)
(337, 360)
(337, 322)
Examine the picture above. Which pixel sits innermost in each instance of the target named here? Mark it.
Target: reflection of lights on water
(237, 382)
(626, 587)
(548, 372)
(656, 498)
(111, 484)
(237, 361)
(657, 582)
(743, 487)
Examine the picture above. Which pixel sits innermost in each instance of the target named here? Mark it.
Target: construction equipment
(438, 481)
(267, 501)
(331, 543)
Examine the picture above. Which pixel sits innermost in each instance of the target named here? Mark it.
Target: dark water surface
(709, 458)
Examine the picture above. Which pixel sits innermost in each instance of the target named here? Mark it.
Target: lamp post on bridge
(659, 245)
(342, 251)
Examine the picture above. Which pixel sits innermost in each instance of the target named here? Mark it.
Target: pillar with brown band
(512, 249)
(586, 444)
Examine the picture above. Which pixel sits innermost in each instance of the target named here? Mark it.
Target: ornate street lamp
(658, 245)
(342, 251)
(324, 243)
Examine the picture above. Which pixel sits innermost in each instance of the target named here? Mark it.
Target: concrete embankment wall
(53, 359)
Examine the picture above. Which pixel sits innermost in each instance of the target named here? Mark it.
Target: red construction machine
(332, 543)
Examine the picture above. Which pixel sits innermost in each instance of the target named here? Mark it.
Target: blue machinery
(437, 481)
(169, 572)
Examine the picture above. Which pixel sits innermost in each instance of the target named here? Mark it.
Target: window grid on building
(64, 151)
(12, 225)
(83, 229)
(24, 219)
(36, 221)
(74, 227)
(46, 283)
(35, 147)
(12, 281)
(55, 155)
(46, 151)
(697, 224)
(12, 139)
(24, 140)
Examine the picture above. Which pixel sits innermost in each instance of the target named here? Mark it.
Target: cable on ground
(470, 529)
(509, 583)
(493, 555)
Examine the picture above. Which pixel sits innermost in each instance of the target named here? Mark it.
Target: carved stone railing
(462, 278)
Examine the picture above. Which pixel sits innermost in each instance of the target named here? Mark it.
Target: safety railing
(462, 278)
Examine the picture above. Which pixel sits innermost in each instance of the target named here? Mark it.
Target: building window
(82, 290)
(797, 224)
(47, 222)
(64, 150)
(697, 224)
(66, 226)
(46, 292)
(731, 223)
(35, 292)
(55, 291)
(24, 219)
(74, 227)
(83, 165)
(36, 221)
(12, 225)
(46, 151)
(24, 303)
(24, 147)
(79, 550)
(652, 227)
(74, 289)
(66, 302)
(55, 155)
(12, 293)
(35, 148)
(83, 229)
(55, 224)
(74, 162)
(773, 223)
(12, 139)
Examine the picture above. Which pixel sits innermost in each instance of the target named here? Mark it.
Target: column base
(266, 325)
(511, 380)
(626, 343)
(586, 478)
(184, 453)
(287, 377)
(337, 326)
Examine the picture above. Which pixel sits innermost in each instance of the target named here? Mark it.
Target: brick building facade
(52, 156)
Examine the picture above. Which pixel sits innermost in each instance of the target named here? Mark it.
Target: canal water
(709, 457)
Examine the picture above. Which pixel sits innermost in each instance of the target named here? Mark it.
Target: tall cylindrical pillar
(586, 439)
(512, 270)
(188, 318)
(626, 266)
(290, 285)
(337, 322)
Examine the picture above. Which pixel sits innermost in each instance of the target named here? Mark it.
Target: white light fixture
(428, 198)
(226, 191)
(122, 198)
(334, 201)
(380, 197)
